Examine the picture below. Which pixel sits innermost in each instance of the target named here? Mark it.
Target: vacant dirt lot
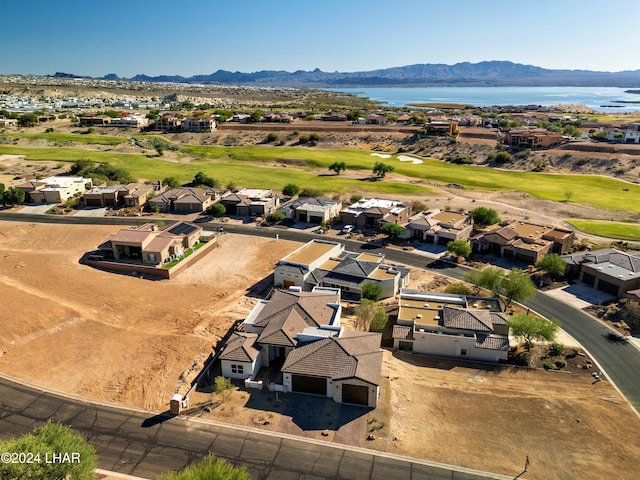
(114, 337)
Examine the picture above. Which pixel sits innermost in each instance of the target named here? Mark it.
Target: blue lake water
(601, 99)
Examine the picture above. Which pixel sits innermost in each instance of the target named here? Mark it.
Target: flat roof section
(369, 257)
(383, 274)
(329, 264)
(528, 229)
(420, 316)
(449, 217)
(309, 252)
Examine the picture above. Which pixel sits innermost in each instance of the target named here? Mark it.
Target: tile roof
(354, 355)
(241, 347)
(478, 320)
(402, 332)
(492, 342)
(288, 313)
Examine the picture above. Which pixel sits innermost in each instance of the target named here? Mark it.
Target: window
(235, 368)
(151, 257)
(463, 352)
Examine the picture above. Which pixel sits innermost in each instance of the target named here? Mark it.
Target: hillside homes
(527, 242)
(532, 137)
(372, 213)
(299, 334)
(326, 264)
(472, 328)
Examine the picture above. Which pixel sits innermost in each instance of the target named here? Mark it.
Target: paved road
(130, 442)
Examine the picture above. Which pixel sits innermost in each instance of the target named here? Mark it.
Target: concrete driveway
(91, 212)
(38, 208)
(580, 295)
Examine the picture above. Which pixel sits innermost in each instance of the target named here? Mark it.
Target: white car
(347, 229)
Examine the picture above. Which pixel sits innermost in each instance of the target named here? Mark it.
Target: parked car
(347, 229)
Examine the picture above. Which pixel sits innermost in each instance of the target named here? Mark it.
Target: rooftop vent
(419, 315)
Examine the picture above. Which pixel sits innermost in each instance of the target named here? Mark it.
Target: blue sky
(201, 36)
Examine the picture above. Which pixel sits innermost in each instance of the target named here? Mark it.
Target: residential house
(311, 209)
(55, 189)
(8, 122)
(299, 333)
(275, 117)
(472, 328)
(333, 117)
(184, 200)
(532, 137)
(375, 119)
(131, 121)
(149, 245)
(372, 213)
(325, 264)
(167, 123)
(441, 127)
(439, 226)
(250, 202)
(608, 270)
(198, 125)
(241, 118)
(129, 195)
(94, 120)
(527, 242)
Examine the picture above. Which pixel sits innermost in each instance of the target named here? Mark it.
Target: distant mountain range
(489, 74)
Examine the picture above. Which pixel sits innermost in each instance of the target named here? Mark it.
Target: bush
(560, 363)
(371, 291)
(556, 349)
(217, 210)
(457, 288)
(223, 387)
(548, 366)
(355, 198)
(310, 192)
(314, 137)
(290, 189)
(276, 217)
(272, 137)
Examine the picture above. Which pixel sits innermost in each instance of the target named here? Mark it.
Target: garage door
(314, 219)
(357, 394)
(588, 278)
(608, 287)
(93, 202)
(313, 385)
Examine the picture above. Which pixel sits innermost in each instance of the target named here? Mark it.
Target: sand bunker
(381, 155)
(405, 158)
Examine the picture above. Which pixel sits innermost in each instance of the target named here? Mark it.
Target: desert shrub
(272, 137)
(548, 366)
(556, 349)
(303, 139)
(457, 288)
(560, 363)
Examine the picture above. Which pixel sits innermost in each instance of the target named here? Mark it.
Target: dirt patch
(125, 339)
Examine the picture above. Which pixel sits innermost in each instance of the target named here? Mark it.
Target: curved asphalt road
(130, 442)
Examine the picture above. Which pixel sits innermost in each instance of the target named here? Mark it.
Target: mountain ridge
(487, 73)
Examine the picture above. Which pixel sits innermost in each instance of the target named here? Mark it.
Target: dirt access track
(122, 339)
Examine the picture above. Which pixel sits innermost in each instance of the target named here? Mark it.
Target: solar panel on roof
(182, 229)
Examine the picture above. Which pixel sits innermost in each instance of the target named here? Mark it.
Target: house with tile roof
(250, 202)
(439, 226)
(608, 270)
(299, 334)
(311, 209)
(472, 328)
(184, 200)
(372, 213)
(527, 242)
(149, 245)
(326, 264)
